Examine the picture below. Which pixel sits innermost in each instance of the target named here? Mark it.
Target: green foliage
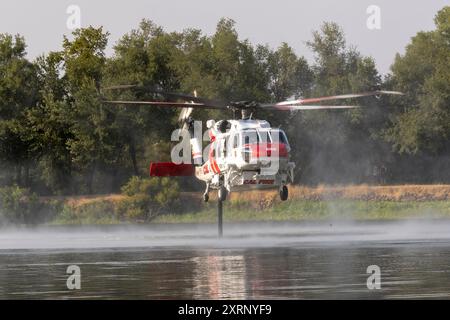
(146, 198)
(97, 212)
(20, 206)
(326, 142)
(310, 210)
(84, 56)
(290, 74)
(421, 123)
(18, 86)
(136, 185)
(18, 93)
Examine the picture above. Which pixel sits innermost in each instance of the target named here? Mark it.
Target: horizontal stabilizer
(170, 169)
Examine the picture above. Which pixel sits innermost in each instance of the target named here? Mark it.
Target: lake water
(253, 261)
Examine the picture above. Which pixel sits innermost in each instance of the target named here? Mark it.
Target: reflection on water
(219, 277)
(316, 262)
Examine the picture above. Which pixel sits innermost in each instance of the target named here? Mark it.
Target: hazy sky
(43, 22)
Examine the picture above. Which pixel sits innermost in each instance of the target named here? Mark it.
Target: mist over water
(291, 260)
(236, 235)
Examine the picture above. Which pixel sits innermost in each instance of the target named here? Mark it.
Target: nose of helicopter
(263, 150)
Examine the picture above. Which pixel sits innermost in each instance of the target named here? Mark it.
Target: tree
(95, 145)
(289, 75)
(144, 57)
(421, 123)
(327, 142)
(84, 57)
(18, 93)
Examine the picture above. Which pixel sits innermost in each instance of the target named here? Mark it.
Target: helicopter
(245, 153)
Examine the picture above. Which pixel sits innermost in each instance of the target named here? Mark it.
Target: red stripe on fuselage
(268, 149)
(212, 159)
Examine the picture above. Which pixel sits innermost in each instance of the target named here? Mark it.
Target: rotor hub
(246, 108)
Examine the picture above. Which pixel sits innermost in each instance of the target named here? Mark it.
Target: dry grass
(265, 198)
(309, 203)
(77, 201)
(353, 192)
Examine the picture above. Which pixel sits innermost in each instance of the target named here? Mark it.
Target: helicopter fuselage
(246, 154)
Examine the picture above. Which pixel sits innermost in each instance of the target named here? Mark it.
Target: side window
(250, 137)
(280, 136)
(264, 136)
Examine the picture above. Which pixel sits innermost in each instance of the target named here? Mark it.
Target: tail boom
(170, 169)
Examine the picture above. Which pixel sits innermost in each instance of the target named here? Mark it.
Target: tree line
(58, 137)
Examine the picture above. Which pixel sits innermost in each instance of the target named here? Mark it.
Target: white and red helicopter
(244, 153)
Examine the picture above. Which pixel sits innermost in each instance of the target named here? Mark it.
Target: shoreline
(161, 226)
(351, 202)
(308, 210)
(321, 203)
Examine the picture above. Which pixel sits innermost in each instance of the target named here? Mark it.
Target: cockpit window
(249, 137)
(280, 136)
(264, 136)
(252, 136)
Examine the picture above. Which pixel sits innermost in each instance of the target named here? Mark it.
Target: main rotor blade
(170, 94)
(184, 114)
(165, 104)
(279, 105)
(309, 107)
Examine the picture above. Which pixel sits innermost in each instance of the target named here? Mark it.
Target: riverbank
(360, 202)
(297, 210)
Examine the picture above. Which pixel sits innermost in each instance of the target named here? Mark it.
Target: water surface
(252, 261)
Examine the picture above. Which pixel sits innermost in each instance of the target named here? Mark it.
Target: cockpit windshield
(278, 136)
(253, 136)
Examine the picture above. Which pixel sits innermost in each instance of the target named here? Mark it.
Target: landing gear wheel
(222, 193)
(284, 193)
(205, 197)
